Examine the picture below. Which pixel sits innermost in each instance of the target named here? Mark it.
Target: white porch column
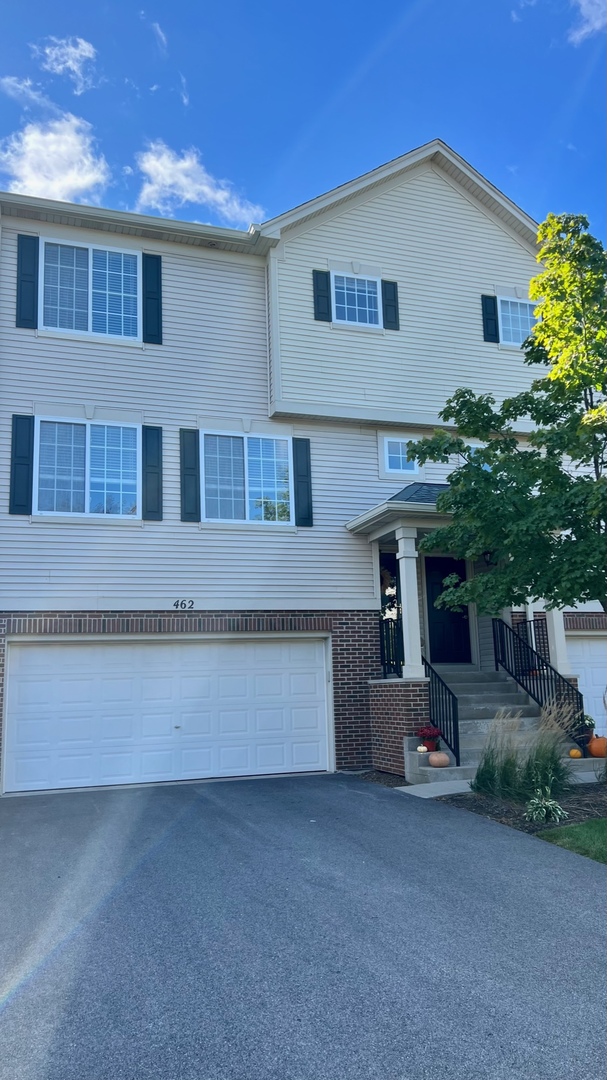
(409, 597)
(557, 642)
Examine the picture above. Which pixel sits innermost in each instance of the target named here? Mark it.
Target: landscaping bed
(385, 778)
(585, 803)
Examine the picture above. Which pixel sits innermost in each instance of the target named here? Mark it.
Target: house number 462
(183, 604)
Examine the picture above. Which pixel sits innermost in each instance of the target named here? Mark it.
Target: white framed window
(82, 467)
(516, 319)
(90, 290)
(393, 457)
(246, 478)
(356, 300)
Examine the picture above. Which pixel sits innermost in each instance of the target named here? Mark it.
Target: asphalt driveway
(319, 928)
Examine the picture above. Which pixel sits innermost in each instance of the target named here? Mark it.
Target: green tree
(534, 505)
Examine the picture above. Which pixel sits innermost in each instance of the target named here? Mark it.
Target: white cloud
(25, 92)
(172, 180)
(56, 160)
(72, 56)
(515, 16)
(160, 36)
(594, 19)
(183, 92)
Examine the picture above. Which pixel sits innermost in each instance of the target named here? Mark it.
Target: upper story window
(395, 456)
(87, 468)
(91, 290)
(246, 478)
(357, 300)
(516, 320)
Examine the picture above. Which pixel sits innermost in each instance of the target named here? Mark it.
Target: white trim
(246, 521)
(510, 300)
(120, 639)
(89, 335)
(385, 472)
(379, 325)
(62, 515)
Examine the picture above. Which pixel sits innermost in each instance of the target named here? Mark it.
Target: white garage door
(588, 659)
(86, 714)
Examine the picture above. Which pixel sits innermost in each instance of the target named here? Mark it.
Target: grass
(588, 838)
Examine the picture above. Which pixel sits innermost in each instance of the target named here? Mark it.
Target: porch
(453, 670)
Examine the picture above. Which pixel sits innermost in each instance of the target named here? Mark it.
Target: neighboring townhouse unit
(207, 498)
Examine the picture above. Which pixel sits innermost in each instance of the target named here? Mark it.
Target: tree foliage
(530, 501)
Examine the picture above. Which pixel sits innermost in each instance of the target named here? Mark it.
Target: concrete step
(481, 719)
(451, 772)
(483, 713)
(498, 696)
(471, 676)
(485, 689)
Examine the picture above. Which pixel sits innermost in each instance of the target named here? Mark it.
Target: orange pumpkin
(575, 752)
(597, 747)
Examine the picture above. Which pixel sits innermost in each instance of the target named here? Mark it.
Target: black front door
(448, 631)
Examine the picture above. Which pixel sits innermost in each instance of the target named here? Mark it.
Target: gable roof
(436, 153)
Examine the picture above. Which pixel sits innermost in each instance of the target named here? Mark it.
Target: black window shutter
(491, 330)
(27, 282)
(189, 445)
(322, 295)
(389, 299)
(22, 465)
(152, 299)
(151, 473)
(302, 483)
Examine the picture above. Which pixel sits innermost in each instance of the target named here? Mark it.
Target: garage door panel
(588, 659)
(85, 714)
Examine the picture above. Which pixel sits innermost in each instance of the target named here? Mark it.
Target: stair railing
(443, 709)
(392, 647)
(535, 675)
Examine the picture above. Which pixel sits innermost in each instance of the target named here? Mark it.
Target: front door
(448, 631)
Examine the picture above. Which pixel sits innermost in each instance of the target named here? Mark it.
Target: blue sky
(231, 113)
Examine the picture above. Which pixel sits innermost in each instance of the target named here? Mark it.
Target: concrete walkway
(319, 928)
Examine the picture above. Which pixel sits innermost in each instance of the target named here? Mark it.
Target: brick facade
(585, 620)
(354, 638)
(398, 708)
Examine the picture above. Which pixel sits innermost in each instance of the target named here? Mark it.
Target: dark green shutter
(152, 299)
(27, 282)
(491, 331)
(151, 473)
(189, 445)
(302, 483)
(322, 295)
(22, 465)
(389, 299)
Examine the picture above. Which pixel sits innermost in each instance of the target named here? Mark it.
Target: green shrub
(544, 808)
(544, 766)
(498, 768)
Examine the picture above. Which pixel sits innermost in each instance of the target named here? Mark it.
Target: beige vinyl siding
(213, 363)
(444, 252)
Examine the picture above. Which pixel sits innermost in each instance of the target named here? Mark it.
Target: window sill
(507, 347)
(256, 526)
(358, 326)
(97, 339)
(87, 519)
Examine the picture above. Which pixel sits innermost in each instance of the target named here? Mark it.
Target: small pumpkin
(597, 747)
(438, 760)
(575, 752)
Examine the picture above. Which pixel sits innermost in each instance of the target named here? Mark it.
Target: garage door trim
(55, 639)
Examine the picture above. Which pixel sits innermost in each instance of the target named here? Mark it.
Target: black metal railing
(535, 633)
(535, 675)
(443, 709)
(391, 645)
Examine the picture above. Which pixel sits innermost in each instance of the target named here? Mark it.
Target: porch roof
(411, 506)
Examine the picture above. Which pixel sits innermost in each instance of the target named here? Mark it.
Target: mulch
(384, 778)
(586, 801)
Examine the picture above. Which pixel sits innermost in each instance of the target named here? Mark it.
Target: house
(205, 474)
